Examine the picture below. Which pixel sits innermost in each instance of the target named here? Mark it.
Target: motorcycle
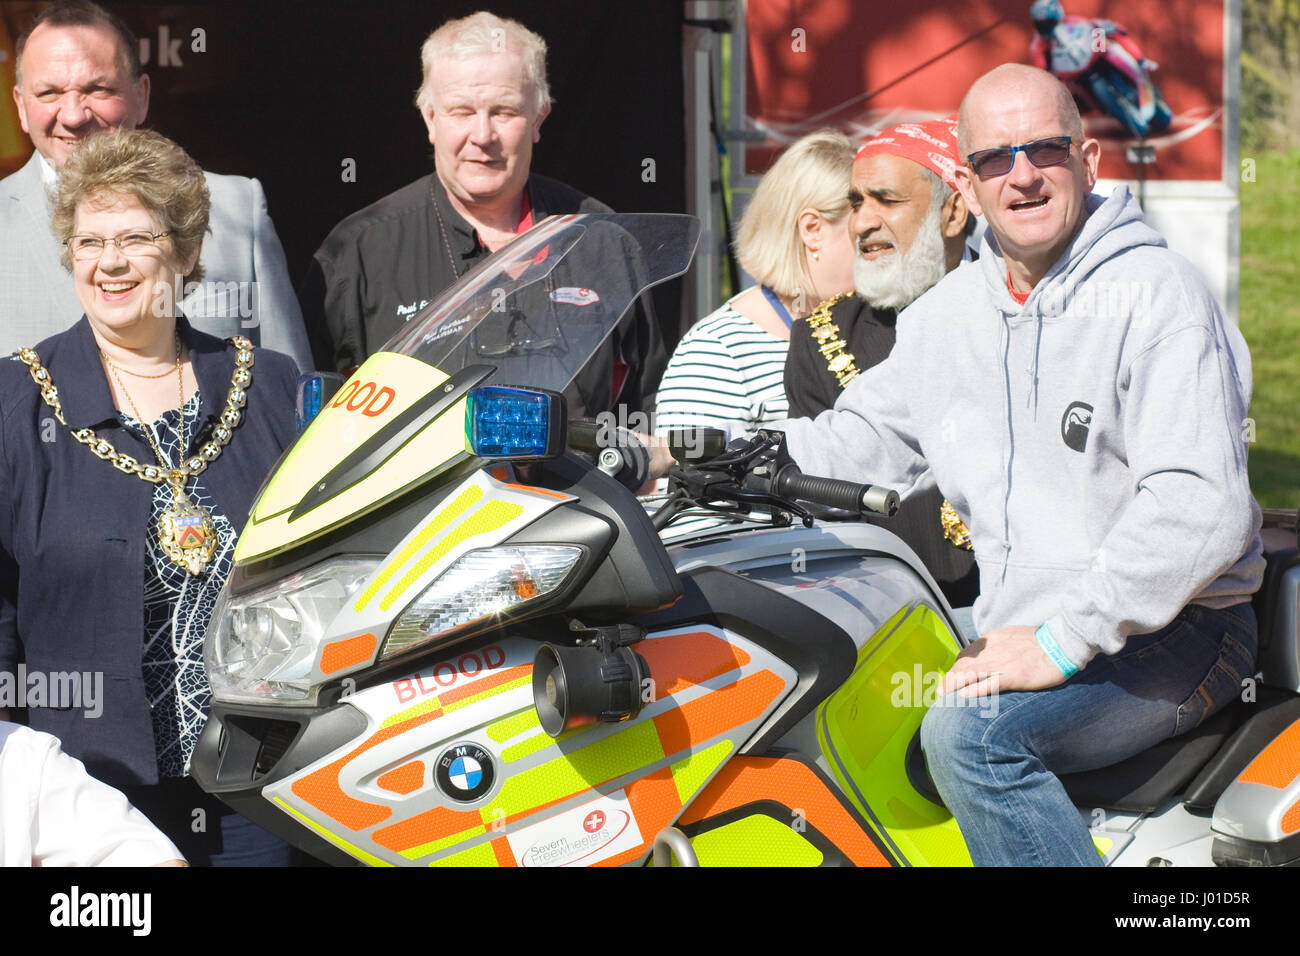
(450, 639)
(1102, 66)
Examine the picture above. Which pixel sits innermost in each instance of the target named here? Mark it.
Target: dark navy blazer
(72, 529)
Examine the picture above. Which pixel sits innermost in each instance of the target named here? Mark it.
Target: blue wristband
(1053, 651)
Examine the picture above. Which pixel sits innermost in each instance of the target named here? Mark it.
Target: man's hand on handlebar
(661, 459)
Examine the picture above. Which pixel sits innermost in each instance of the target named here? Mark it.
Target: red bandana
(933, 144)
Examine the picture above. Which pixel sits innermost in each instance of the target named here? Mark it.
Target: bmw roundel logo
(465, 772)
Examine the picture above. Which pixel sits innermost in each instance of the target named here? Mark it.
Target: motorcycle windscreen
(535, 312)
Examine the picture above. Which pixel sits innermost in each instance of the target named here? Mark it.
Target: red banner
(861, 65)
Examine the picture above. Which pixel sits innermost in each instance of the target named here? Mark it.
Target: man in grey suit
(78, 71)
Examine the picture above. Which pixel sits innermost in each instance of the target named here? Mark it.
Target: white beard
(897, 279)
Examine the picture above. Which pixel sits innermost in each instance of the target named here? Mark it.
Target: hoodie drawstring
(1004, 333)
(1033, 368)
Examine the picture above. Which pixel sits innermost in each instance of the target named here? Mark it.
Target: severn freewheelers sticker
(465, 772)
(568, 295)
(582, 835)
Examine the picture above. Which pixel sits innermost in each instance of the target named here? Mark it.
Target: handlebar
(743, 475)
(834, 492)
(583, 435)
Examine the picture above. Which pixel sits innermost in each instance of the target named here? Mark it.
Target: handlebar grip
(583, 434)
(618, 451)
(835, 492)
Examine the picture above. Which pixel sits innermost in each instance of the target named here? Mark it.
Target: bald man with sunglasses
(1080, 399)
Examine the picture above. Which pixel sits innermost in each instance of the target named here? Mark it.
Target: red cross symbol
(594, 821)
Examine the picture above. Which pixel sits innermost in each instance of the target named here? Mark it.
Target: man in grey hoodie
(1085, 415)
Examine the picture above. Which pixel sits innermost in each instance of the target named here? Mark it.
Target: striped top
(727, 372)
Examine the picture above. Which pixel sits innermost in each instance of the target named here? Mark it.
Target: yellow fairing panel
(384, 387)
(865, 727)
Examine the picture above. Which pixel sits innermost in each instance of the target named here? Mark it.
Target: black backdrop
(286, 91)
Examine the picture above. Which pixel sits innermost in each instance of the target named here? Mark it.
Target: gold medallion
(185, 529)
(186, 533)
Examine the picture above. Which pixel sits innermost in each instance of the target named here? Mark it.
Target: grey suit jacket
(245, 290)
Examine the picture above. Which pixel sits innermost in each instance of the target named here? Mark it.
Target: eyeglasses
(497, 339)
(85, 248)
(998, 161)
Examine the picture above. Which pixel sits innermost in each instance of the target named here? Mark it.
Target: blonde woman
(727, 370)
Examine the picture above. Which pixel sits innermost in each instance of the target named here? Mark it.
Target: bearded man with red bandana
(910, 226)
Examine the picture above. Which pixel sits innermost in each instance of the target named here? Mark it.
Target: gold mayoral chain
(843, 365)
(185, 529)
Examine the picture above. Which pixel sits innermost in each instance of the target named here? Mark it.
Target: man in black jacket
(483, 100)
(910, 225)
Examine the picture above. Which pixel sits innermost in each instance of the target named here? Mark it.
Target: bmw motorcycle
(450, 639)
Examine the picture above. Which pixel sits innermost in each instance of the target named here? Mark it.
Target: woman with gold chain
(727, 371)
(131, 447)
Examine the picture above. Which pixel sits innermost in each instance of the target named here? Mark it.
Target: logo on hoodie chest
(1075, 424)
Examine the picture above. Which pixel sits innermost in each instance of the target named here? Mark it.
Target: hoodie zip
(1005, 334)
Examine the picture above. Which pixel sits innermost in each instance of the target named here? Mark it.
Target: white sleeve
(75, 819)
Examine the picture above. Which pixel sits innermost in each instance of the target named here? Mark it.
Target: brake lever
(700, 483)
(779, 506)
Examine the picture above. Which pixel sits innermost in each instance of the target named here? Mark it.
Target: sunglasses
(998, 161)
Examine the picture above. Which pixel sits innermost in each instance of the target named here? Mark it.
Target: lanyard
(776, 304)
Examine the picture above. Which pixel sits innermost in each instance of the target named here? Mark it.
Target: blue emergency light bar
(504, 422)
(315, 389)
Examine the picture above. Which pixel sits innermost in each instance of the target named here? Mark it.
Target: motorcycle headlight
(479, 585)
(262, 645)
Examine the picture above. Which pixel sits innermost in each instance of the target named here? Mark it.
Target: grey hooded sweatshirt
(1094, 439)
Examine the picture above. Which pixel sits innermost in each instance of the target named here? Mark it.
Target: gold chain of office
(240, 379)
(843, 365)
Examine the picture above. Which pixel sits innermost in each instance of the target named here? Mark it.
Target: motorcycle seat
(1200, 764)
(1141, 784)
(1280, 556)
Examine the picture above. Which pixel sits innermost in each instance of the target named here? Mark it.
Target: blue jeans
(996, 767)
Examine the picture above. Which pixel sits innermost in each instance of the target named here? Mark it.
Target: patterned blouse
(177, 608)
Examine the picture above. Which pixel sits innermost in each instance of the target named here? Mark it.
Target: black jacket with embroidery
(382, 264)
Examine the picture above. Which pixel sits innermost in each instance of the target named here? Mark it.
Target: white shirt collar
(49, 175)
